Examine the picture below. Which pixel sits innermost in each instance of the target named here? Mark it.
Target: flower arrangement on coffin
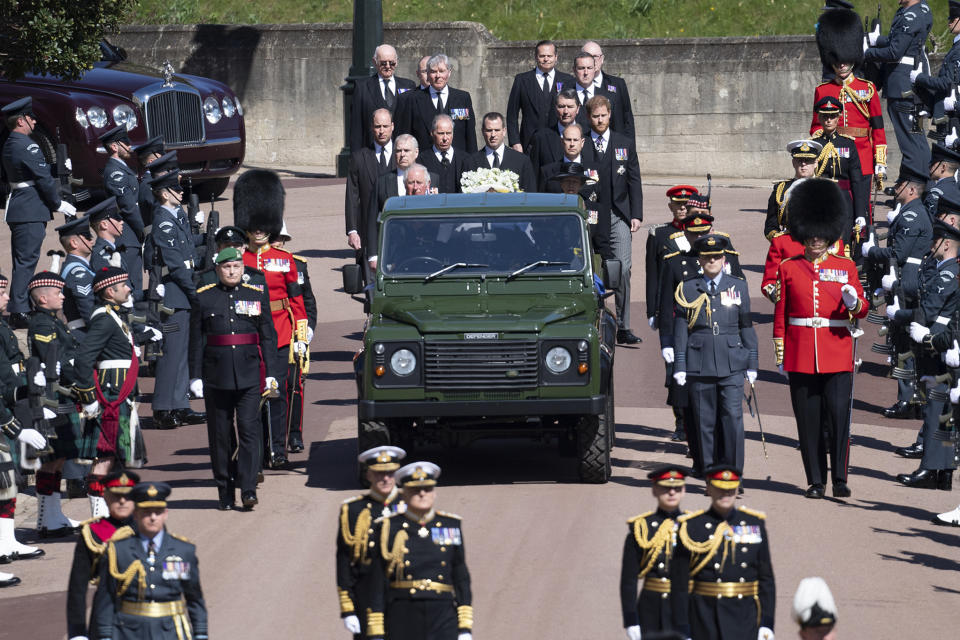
(484, 180)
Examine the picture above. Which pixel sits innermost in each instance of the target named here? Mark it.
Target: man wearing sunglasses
(380, 91)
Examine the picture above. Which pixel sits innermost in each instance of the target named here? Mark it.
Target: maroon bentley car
(201, 118)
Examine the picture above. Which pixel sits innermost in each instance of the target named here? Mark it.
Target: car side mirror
(352, 278)
(612, 273)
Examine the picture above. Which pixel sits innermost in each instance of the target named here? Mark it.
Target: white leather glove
(849, 296)
(893, 307)
(751, 376)
(873, 36)
(952, 357)
(40, 379)
(680, 377)
(68, 163)
(352, 623)
(913, 75)
(881, 170)
(667, 354)
(160, 289)
(33, 438)
(91, 410)
(950, 104)
(137, 350)
(893, 213)
(633, 633)
(867, 246)
(465, 635)
(301, 347)
(129, 303)
(270, 384)
(309, 335)
(651, 320)
(785, 374)
(765, 634)
(156, 335)
(866, 44)
(49, 414)
(889, 279)
(198, 217)
(860, 222)
(67, 209)
(918, 332)
(196, 388)
(955, 394)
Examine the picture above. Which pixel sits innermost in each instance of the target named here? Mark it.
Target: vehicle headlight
(211, 109)
(124, 115)
(236, 101)
(81, 118)
(228, 109)
(403, 362)
(558, 360)
(97, 117)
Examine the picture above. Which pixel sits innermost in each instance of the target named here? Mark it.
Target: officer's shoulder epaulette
(250, 286)
(182, 538)
(675, 234)
(206, 287)
(721, 233)
(281, 250)
(299, 257)
(777, 234)
(447, 514)
(843, 135)
(639, 517)
(670, 255)
(825, 83)
(753, 512)
(353, 499)
(690, 514)
(122, 533)
(817, 134)
(732, 252)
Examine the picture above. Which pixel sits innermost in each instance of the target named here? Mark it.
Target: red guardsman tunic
(861, 118)
(783, 246)
(286, 301)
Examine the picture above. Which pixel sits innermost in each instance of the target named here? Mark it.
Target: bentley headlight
(403, 362)
(124, 115)
(558, 360)
(81, 118)
(97, 117)
(228, 109)
(211, 109)
(236, 101)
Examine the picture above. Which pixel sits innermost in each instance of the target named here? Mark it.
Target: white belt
(942, 320)
(816, 323)
(22, 185)
(114, 364)
(907, 60)
(77, 324)
(914, 261)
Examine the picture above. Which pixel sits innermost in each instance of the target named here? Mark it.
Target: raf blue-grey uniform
(898, 53)
(121, 181)
(174, 244)
(944, 186)
(101, 253)
(716, 352)
(34, 195)
(939, 87)
(78, 302)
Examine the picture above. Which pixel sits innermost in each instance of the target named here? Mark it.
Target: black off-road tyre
(594, 442)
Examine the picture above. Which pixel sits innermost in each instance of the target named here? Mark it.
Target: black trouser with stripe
(823, 399)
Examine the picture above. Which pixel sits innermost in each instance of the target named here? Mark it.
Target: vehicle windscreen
(500, 244)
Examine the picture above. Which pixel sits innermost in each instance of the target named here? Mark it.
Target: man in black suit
(366, 166)
(532, 95)
(381, 91)
(573, 150)
(615, 87)
(546, 146)
(617, 156)
(416, 113)
(442, 158)
(496, 155)
(585, 70)
(595, 192)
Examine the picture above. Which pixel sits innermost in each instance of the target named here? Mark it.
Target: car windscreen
(422, 245)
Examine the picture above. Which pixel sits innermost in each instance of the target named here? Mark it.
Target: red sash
(110, 418)
(241, 338)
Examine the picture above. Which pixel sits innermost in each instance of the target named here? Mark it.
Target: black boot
(165, 419)
(249, 499)
(189, 416)
(814, 491)
(840, 489)
(945, 479)
(913, 451)
(902, 410)
(920, 479)
(679, 431)
(228, 498)
(295, 442)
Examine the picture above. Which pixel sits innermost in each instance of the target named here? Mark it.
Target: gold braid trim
(693, 308)
(778, 350)
(781, 205)
(652, 547)
(96, 548)
(346, 604)
(708, 548)
(374, 624)
(880, 154)
(858, 102)
(125, 578)
(829, 156)
(393, 557)
(465, 617)
(358, 538)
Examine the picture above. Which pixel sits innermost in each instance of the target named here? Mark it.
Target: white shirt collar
(499, 151)
(582, 89)
(388, 147)
(577, 159)
(444, 92)
(606, 136)
(436, 152)
(540, 75)
(598, 80)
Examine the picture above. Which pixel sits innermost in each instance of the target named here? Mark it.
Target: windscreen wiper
(450, 267)
(534, 265)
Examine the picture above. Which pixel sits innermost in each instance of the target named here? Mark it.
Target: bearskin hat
(258, 201)
(816, 209)
(840, 37)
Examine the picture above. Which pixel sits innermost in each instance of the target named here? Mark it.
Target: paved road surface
(543, 550)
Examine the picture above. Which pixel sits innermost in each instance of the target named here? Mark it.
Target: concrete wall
(721, 105)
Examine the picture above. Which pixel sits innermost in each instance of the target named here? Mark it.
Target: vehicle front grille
(176, 115)
(480, 364)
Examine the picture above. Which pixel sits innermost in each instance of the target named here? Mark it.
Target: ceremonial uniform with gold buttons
(783, 246)
(721, 579)
(839, 161)
(149, 588)
(656, 248)
(419, 581)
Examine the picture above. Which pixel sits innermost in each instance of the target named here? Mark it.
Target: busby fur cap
(816, 209)
(258, 201)
(840, 37)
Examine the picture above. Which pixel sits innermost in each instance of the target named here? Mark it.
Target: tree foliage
(59, 37)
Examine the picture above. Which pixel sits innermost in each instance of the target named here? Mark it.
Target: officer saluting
(34, 194)
(232, 340)
(149, 578)
(354, 554)
(94, 535)
(725, 552)
(651, 539)
(419, 577)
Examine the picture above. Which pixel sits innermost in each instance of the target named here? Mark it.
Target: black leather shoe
(259, 477)
(249, 500)
(19, 320)
(13, 580)
(814, 491)
(296, 443)
(841, 490)
(189, 416)
(945, 479)
(278, 461)
(625, 336)
(165, 420)
(920, 479)
(902, 410)
(228, 499)
(913, 451)
(36, 553)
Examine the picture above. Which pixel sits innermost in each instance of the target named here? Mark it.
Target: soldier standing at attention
(121, 182)
(725, 552)
(354, 554)
(840, 162)
(803, 156)
(651, 540)
(657, 245)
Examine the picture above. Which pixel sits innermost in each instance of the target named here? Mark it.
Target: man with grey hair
(417, 181)
(415, 115)
(442, 158)
(381, 91)
(614, 85)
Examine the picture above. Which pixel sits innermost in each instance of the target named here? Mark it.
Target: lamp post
(367, 35)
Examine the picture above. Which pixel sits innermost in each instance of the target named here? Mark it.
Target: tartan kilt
(70, 443)
(130, 446)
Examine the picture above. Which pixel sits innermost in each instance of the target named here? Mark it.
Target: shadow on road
(924, 559)
(341, 254)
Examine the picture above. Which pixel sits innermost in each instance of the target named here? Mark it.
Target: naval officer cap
(808, 149)
(385, 458)
(418, 474)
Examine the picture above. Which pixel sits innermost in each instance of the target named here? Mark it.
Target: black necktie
(383, 158)
(151, 551)
(496, 160)
(440, 103)
(546, 85)
(388, 95)
(713, 288)
(444, 160)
